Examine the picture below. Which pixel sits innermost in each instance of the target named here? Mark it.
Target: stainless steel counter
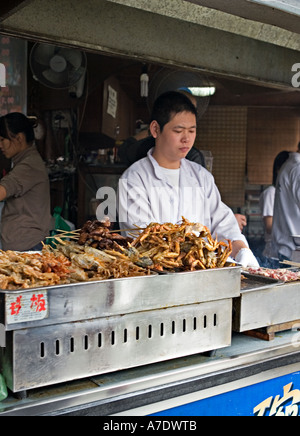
(146, 386)
(151, 388)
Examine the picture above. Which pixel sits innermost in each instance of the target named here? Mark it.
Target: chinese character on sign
(38, 303)
(288, 405)
(29, 306)
(15, 307)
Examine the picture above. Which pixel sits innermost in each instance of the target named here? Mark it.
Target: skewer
(68, 231)
(121, 230)
(289, 262)
(110, 231)
(137, 228)
(65, 234)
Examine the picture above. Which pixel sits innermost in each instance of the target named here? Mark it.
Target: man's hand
(246, 258)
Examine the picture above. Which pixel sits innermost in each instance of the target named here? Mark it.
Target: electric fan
(176, 80)
(59, 67)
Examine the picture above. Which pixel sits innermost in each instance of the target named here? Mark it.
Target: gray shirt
(26, 215)
(286, 218)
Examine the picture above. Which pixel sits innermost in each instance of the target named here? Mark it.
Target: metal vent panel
(53, 354)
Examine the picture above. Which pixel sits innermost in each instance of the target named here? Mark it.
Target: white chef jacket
(266, 203)
(145, 195)
(286, 219)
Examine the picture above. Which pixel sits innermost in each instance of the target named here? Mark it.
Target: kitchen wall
(223, 131)
(244, 142)
(242, 136)
(269, 131)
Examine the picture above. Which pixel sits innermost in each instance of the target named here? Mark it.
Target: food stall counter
(235, 380)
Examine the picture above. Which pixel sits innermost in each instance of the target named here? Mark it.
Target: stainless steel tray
(82, 301)
(97, 327)
(256, 282)
(266, 306)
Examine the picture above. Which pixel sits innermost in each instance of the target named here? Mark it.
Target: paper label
(112, 102)
(29, 306)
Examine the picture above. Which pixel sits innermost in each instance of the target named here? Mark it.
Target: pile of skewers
(96, 252)
(182, 247)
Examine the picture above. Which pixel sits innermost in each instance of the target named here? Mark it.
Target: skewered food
(98, 235)
(27, 270)
(282, 274)
(159, 246)
(184, 246)
(67, 263)
(99, 264)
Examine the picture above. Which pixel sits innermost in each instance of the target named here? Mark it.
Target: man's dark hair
(169, 104)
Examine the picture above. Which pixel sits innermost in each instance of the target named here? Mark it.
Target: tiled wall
(244, 142)
(223, 131)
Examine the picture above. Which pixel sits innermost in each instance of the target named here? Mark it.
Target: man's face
(177, 138)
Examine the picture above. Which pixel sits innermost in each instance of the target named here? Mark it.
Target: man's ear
(154, 129)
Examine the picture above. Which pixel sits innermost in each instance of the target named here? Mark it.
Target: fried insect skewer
(183, 246)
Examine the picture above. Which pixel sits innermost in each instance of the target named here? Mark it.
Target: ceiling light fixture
(202, 91)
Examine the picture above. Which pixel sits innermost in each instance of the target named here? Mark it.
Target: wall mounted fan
(196, 84)
(59, 67)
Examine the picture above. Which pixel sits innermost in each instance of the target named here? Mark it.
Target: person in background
(164, 186)
(25, 189)
(266, 203)
(286, 218)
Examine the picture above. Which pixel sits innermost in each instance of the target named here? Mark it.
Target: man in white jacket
(164, 186)
(286, 219)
